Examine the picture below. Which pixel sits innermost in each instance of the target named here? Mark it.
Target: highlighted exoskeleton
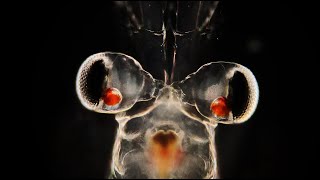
(165, 130)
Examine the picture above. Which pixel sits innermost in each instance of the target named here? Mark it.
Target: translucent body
(194, 141)
(166, 127)
(165, 131)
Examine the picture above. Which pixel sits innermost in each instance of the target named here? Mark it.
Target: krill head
(165, 131)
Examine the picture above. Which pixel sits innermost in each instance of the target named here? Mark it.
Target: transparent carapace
(166, 126)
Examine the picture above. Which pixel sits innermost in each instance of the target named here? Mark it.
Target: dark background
(264, 36)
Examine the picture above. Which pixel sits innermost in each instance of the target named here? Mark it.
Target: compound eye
(113, 82)
(219, 108)
(211, 91)
(112, 98)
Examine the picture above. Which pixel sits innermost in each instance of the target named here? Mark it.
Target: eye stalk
(111, 83)
(112, 97)
(219, 108)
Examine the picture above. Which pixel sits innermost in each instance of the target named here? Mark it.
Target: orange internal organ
(220, 108)
(165, 153)
(112, 97)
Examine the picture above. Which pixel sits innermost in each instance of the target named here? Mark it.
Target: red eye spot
(112, 97)
(219, 107)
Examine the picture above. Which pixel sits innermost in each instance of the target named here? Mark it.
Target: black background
(74, 142)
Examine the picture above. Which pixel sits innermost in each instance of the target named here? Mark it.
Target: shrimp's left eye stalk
(111, 83)
(112, 97)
